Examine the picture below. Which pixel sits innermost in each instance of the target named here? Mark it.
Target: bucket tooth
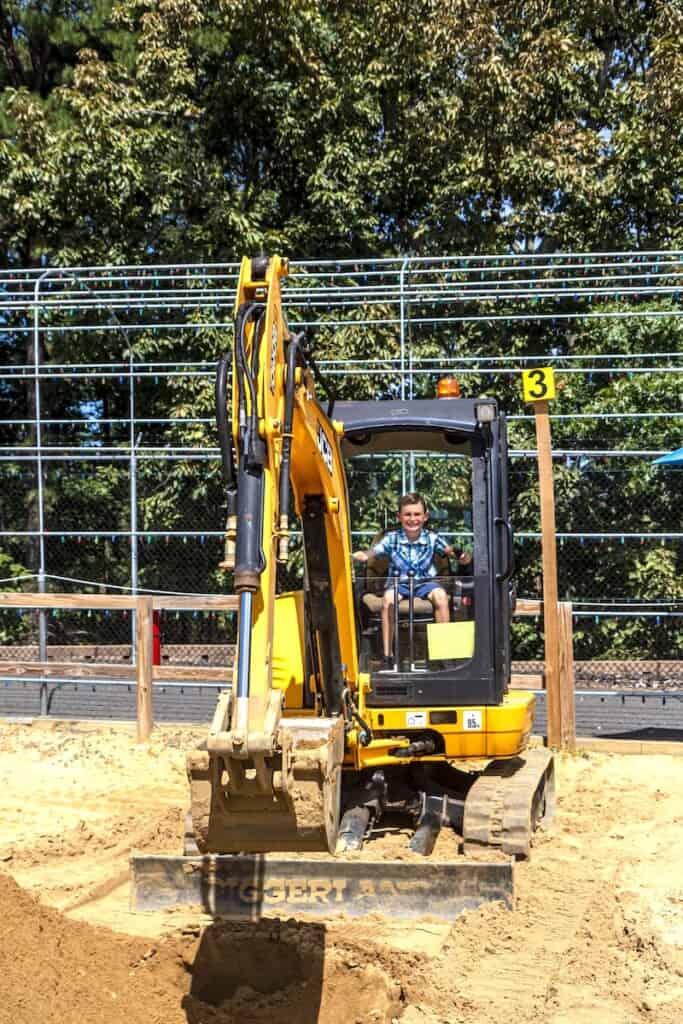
(353, 829)
(426, 834)
(297, 811)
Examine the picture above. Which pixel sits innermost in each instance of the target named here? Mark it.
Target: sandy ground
(596, 934)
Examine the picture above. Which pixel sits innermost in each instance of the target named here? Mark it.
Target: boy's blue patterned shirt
(406, 555)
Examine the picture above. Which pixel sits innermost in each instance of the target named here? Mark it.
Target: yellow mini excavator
(318, 741)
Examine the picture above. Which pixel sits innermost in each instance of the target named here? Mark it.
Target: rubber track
(508, 802)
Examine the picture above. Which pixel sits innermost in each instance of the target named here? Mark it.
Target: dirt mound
(124, 833)
(55, 969)
(62, 971)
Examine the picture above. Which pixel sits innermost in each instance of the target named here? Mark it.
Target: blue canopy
(672, 459)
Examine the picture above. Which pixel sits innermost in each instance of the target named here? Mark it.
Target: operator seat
(374, 580)
(371, 580)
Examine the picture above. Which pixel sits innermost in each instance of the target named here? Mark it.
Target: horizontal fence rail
(147, 669)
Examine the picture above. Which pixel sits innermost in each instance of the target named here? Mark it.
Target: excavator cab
(467, 660)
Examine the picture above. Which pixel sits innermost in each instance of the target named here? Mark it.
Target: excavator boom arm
(281, 434)
(267, 781)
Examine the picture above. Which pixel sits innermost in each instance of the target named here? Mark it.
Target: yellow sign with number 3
(538, 384)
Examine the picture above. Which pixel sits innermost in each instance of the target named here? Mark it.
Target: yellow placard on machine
(538, 384)
(450, 640)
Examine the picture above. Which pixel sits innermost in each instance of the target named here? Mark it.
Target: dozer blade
(292, 807)
(250, 887)
(508, 802)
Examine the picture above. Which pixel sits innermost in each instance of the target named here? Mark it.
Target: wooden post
(549, 543)
(143, 667)
(567, 707)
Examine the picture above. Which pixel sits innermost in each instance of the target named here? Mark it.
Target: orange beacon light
(447, 387)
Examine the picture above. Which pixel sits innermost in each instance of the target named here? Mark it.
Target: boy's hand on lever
(463, 557)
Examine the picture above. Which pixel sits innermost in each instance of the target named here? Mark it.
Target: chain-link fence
(110, 476)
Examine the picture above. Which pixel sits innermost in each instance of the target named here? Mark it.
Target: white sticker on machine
(416, 719)
(472, 721)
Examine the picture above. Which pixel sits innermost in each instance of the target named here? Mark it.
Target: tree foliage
(164, 128)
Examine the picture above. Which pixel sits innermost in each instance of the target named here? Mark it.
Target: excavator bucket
(296, 810)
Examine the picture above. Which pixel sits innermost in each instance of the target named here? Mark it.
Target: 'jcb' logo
(325, 449)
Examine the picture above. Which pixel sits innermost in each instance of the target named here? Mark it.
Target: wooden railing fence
(144, 673)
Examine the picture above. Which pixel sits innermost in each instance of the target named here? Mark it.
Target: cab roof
(425, 424)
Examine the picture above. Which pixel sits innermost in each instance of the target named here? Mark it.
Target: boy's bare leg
(439, 599)
(387, 623)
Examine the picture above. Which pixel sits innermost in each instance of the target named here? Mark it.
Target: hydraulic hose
(293, 357)
(365, 735)
(320, 379)
(418, 748)
(224, 433)
(246, 374)
(249, 556)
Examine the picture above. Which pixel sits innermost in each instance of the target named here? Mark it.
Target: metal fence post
(156, 637)
(42, 613)
(411, 390)
(567, 698)
(402, 338)
(133, 470)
